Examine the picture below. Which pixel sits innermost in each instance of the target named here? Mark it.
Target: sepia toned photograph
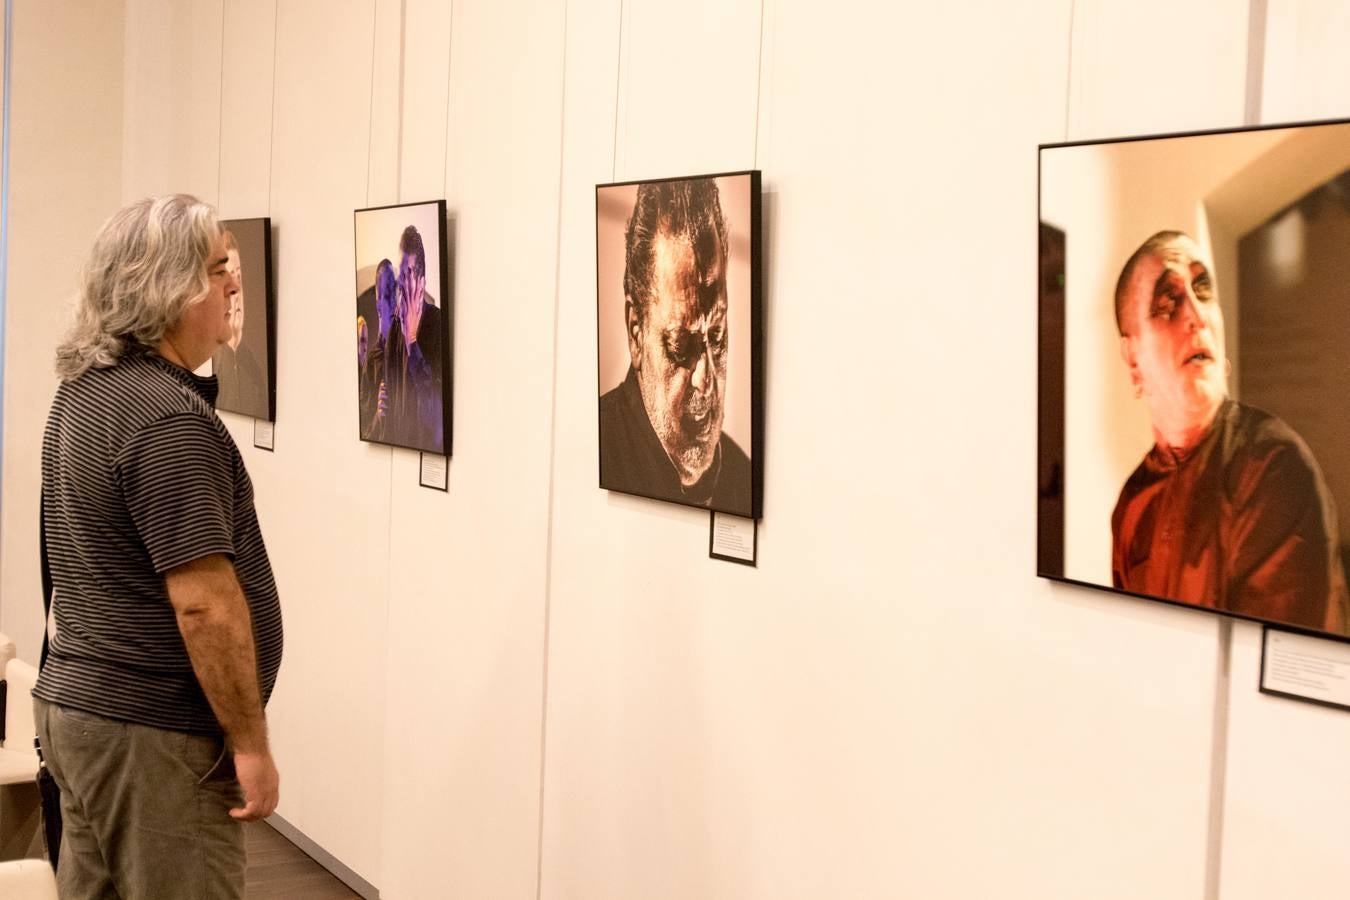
(1194, 442)
(245, 366)
(403, 327)
(678, 309)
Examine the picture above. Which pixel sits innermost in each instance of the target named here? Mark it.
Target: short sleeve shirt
(140, 476)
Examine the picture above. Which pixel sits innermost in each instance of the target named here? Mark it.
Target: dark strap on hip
(46, 576)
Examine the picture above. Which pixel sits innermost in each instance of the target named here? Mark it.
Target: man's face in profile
(236, 300)
(386, 292)
(1173, 337)
(362, 342)
(679, 351)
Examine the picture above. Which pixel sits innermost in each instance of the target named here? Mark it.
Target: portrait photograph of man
(245, 366)
(402, 327)
(678, 303)
(1195, 309)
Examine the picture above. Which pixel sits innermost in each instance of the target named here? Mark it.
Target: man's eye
(683, 349)
(1202, 287)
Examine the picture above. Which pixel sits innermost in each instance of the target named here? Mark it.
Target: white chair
(20, 800)
(7, 651)
(18, 759)
(27, 879)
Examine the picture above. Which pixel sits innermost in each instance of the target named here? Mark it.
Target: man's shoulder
(1254, 433)
(128, 396)
(735, 481)
(1262, 449)
(732, 454)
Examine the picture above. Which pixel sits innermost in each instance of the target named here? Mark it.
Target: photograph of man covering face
(676, 315)
(244, 366)
(1205, 456)
(402, 341)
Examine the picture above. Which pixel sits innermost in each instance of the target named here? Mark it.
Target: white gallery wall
(528, 687)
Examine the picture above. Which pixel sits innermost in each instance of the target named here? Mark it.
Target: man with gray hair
(167, 627)
(1228, 509)
(661, 428)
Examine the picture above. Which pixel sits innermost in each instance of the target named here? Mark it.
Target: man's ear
(1129, 353)
(633, 330)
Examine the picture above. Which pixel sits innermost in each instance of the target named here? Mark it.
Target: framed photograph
(1194, 423)
(246, 366)
(403, 361)
(679, 310)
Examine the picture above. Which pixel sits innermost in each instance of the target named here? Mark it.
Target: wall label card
(733, 538)
(1300, 667)
(434, 473)
(264, 434)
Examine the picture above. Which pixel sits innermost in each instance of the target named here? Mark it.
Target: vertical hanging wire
(618, 84)
(449, 67)
(1068, 75)
(759, 86)
(220, 119)
(552, 462)
(272, 114)
(4, 197)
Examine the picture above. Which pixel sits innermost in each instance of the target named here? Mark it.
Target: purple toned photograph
(403, 361)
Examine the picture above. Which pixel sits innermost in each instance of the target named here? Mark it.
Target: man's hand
(257, 775)
(382, 403)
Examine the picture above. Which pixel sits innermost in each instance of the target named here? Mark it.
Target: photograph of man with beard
(665, 428)
(1228, 509)
(245, 386)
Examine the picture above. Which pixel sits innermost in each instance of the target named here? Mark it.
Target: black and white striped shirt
(139, 476)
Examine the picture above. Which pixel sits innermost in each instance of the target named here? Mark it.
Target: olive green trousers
(145, 811)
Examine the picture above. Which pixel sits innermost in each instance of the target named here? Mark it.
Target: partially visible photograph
(678, 313)
(403, 361)
(1194, 313)
(245, 366)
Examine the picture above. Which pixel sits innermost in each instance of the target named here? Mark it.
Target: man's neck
(1182, 437)
(168, 350)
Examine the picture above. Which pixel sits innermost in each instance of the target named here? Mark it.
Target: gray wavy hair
(147, 266)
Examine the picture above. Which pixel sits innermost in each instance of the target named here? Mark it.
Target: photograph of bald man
(1228, 509)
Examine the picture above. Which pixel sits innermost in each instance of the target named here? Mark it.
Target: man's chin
(692, 465)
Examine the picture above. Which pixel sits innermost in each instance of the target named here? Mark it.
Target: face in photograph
(386, 297)
(679, 350)
(237, 298)
(677, 336)
(1172, 335)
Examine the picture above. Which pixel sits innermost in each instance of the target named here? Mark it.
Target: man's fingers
(254, 809)
(249, 812)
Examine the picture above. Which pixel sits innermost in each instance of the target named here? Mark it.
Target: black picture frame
(631, 457)
(1250, 181)
(418, 395)
(245, 369)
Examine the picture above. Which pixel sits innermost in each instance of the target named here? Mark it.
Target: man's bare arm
(217, 628)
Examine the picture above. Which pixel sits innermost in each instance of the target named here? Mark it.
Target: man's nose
(702, 370)
(1190, 312)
